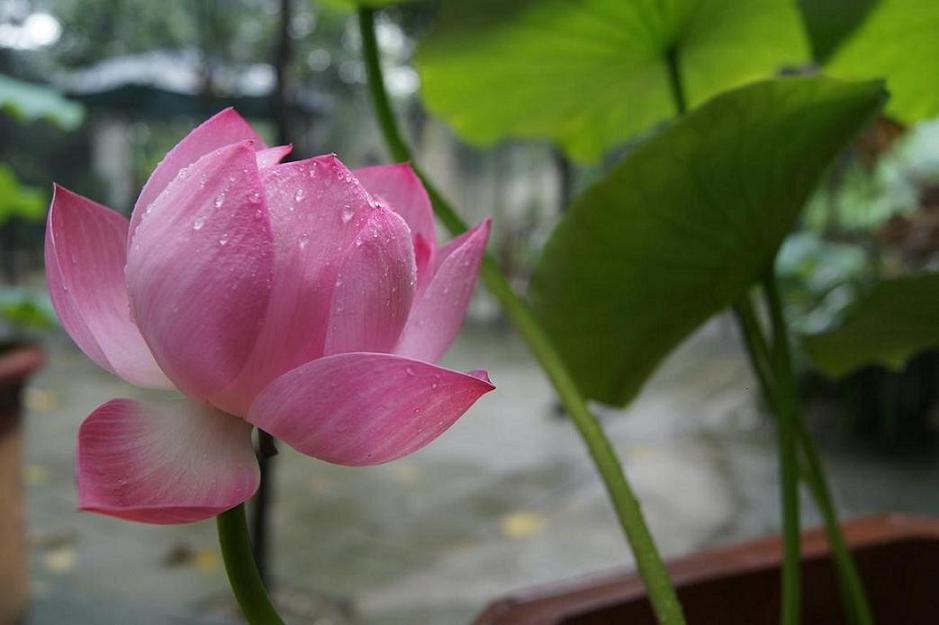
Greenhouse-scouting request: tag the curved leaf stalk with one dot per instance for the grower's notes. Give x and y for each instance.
(661, 591)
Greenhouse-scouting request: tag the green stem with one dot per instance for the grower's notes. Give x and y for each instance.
(774, 388)
(757, 350)
(849, 581)
(850, 586)
(661, 592)
(787, 407)
(242, 572)
(674, 80)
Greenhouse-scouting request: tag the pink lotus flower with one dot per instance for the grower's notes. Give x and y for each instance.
(301, 298)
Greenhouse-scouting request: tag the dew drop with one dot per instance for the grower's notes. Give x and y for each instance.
(304, 240)
(219, 200)
(198, 223)
(223, 240)
(299, 195)
(347, 213)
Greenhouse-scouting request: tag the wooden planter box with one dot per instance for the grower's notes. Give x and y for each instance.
(898, 557)
(16, 365)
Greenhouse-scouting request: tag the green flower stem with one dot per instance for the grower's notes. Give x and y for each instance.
(788, 453)
(787, 407)
(850, 586)
(242, 571)
(649, 563)
(781, 400)
(811, 470)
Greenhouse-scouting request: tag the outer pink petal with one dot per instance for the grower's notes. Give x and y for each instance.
(402, 189)
(438, 311)
(272, 156)
(85, 256)
(199, 271)
(316, 207)
(374, 287)
(364, 408)
(164, 464)
(224, 128)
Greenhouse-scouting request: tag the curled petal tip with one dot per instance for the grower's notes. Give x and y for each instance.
(483, 375)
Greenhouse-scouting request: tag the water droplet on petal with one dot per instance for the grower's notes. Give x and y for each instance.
(223, 239)
(299, 195)
(219, 200)
(198, 223)
(347, 213)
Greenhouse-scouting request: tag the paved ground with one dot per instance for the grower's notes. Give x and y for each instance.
(505, 500)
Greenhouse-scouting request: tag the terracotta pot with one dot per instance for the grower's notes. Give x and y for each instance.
(898, 557)
(17, 363)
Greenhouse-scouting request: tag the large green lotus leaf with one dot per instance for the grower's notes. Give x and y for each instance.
(899, 41)
(686, 223)
(896, 320)
(590, 74)
(829, 22)
(27, 102)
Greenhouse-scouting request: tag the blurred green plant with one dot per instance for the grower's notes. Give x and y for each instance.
(28, 102)
(820, 279)
(887, 326)
(352, 5)
(18, 200)
(24, 311)
(21, 310)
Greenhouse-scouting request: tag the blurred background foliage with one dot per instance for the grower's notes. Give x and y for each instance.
(92, 94)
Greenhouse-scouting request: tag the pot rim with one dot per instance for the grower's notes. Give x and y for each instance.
(741, 558)
(19, 362)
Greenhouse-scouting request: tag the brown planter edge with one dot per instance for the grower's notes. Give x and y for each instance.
(553, 603)
(18, 362)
